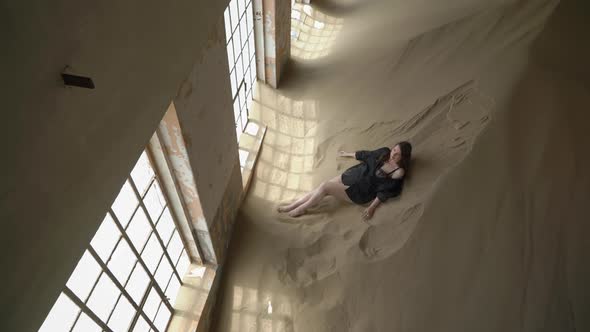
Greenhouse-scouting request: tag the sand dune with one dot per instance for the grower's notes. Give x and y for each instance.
(490, 231)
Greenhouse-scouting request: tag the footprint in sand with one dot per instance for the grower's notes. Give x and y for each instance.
(347, 235)
(382, 240)
(457, 142)
(306, 265)
(460, 125)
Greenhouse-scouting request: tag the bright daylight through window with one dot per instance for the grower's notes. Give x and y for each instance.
(239, 35)
(130, 274)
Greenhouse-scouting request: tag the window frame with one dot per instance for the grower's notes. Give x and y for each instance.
(246, 46)
(156, 156)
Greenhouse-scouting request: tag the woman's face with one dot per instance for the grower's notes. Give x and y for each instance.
(396, 154)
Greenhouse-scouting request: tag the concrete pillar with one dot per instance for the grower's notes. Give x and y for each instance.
(276, 36)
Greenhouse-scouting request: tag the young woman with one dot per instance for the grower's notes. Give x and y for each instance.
(379, 176)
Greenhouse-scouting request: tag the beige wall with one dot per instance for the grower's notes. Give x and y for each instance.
(70, 149)
(205, 110)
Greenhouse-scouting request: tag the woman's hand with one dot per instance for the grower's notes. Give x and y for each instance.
(345, 154)
(368, 213)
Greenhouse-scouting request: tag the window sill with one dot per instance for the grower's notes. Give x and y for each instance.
(249, 147)
(192, 298)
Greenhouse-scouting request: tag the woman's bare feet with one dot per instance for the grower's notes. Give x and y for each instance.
(296, 212)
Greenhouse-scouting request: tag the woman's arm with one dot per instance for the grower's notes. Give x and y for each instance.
(368, 213)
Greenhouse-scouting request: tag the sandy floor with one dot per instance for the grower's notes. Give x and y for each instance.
(491, 232)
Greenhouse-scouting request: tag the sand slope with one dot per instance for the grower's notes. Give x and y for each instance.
(490, 232)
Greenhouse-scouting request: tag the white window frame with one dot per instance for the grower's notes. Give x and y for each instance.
(242, 81)
(190, 249)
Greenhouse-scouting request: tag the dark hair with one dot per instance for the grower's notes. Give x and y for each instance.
(406, 155)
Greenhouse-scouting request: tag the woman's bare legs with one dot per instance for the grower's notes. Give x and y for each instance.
(297, 202)
(307, 196)
(334, 187)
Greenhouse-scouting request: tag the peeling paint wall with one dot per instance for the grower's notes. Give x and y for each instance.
(283, 35)
(223, 226)
(204, 107)
(70, 149)
(277, 38)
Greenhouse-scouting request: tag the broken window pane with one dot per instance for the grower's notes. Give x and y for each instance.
(154, 201)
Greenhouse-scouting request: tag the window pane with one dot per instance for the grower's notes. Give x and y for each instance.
(122, 262)
(141, 325)
(239, 71)
(236, 109)
(151, 304)
(243, 156)
(236, 46)
(103, 298)
(248, 82)
(163, 274)
(125, 204)
(62, 315)
(230, 57)
(122, 316)
(106, 238)
(252, 128)
(241, 7)
(251, 47)
(165, 226)
(139, 229)
(244, 32)
(227, 24)
(86, 324)
(233, 6)
(154, 201)
(183, 264)
(162, 318)
(138, 283)
(152, 253)
(175, 246)
(242, 95)
(243, 119)
(84, 276)
(250, 17)
(172, 290)
(142, 173)
(234, 82)
(238, 131)
(253, 69)
(249, 101)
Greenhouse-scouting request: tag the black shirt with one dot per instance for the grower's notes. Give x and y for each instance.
(364, 184)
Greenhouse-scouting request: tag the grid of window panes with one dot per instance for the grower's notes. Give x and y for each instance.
(239, 35)
(129, 277)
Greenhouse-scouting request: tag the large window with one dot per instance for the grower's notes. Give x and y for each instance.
(239, 34)
(130, 274)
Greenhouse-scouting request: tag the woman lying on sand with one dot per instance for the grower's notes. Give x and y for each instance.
(379, 176)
